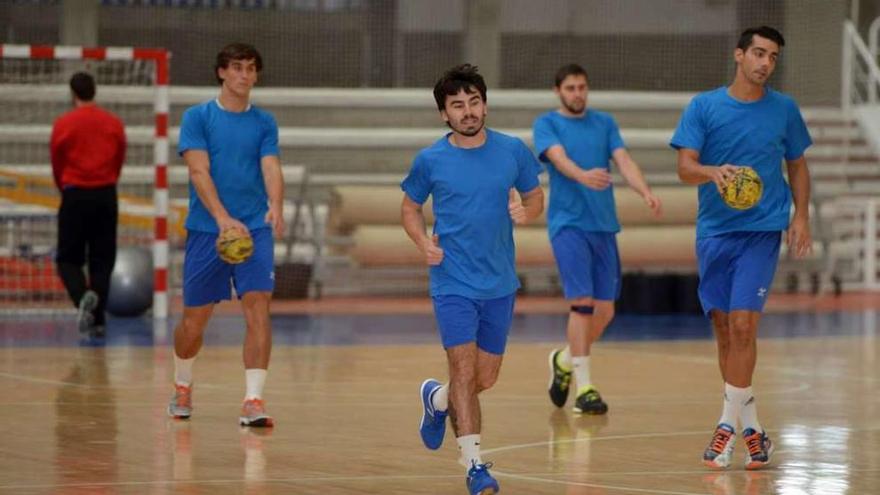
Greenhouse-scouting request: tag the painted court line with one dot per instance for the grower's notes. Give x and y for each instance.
(629, 437)
(317, 479)
(593, 485)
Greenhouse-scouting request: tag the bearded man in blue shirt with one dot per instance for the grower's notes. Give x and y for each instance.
(471, 174)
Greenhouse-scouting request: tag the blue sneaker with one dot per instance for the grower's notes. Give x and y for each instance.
(480, 482)
(433, 425)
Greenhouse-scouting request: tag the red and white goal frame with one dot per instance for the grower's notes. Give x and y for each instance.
(160, 59)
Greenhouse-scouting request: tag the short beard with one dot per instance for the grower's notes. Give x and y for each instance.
(469, 133)
(757, 81)
(573, 109)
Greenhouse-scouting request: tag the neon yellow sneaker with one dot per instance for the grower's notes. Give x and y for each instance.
(589, 402)
(560, 379)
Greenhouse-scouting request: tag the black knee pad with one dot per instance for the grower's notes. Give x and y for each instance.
(584, 310)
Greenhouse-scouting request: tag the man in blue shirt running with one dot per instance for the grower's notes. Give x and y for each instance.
(231, 150)
(470, 173)
(578, 145)
(744, 124)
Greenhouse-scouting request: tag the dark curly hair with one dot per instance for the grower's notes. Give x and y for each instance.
(461, 77)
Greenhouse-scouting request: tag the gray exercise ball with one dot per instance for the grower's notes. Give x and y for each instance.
(131, 285)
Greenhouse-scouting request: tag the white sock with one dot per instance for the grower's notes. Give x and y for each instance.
(440, 399)
(580, 366)
(255, 379)
(469, 446)
(563, 359)
(734, 398)
(749, 414)
(183, 370)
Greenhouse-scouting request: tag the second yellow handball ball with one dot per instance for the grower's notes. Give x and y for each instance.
(234, 247)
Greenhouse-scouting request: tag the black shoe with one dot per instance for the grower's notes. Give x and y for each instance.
(590, 402)
(559, 381)
(98, 332)
(85, 318)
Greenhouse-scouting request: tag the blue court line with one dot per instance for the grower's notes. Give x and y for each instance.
(350, 330)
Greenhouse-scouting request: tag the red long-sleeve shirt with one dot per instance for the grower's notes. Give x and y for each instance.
(87, 148)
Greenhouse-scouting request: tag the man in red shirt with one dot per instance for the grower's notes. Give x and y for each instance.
(87, 148)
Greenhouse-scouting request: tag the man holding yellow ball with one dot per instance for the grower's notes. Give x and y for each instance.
(731, 142)
(231, 150)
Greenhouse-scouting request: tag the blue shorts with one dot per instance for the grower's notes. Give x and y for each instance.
(588, 262)
(737, 269)
(462, 320)
(207, 279)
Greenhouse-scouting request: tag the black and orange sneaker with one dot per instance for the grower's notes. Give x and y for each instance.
(720, 450)
(759, 446)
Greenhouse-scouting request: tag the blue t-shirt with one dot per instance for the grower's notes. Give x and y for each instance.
(470, 189)
(235, 142)
(758, 134)
(589, 141)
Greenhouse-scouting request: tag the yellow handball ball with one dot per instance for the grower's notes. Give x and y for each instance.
(234, 247)
(744, 190)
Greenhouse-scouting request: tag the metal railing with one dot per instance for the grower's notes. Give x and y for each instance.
(860, 75)
(855, 246)
(860, 91)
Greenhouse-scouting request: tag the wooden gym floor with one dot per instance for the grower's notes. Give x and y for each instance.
(85, 417)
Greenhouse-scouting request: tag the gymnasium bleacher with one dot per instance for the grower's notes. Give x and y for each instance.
(353, 146)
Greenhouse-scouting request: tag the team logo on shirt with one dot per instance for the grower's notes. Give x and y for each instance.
(762, 292)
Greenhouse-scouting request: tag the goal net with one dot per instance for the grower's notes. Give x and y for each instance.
(132, 83)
